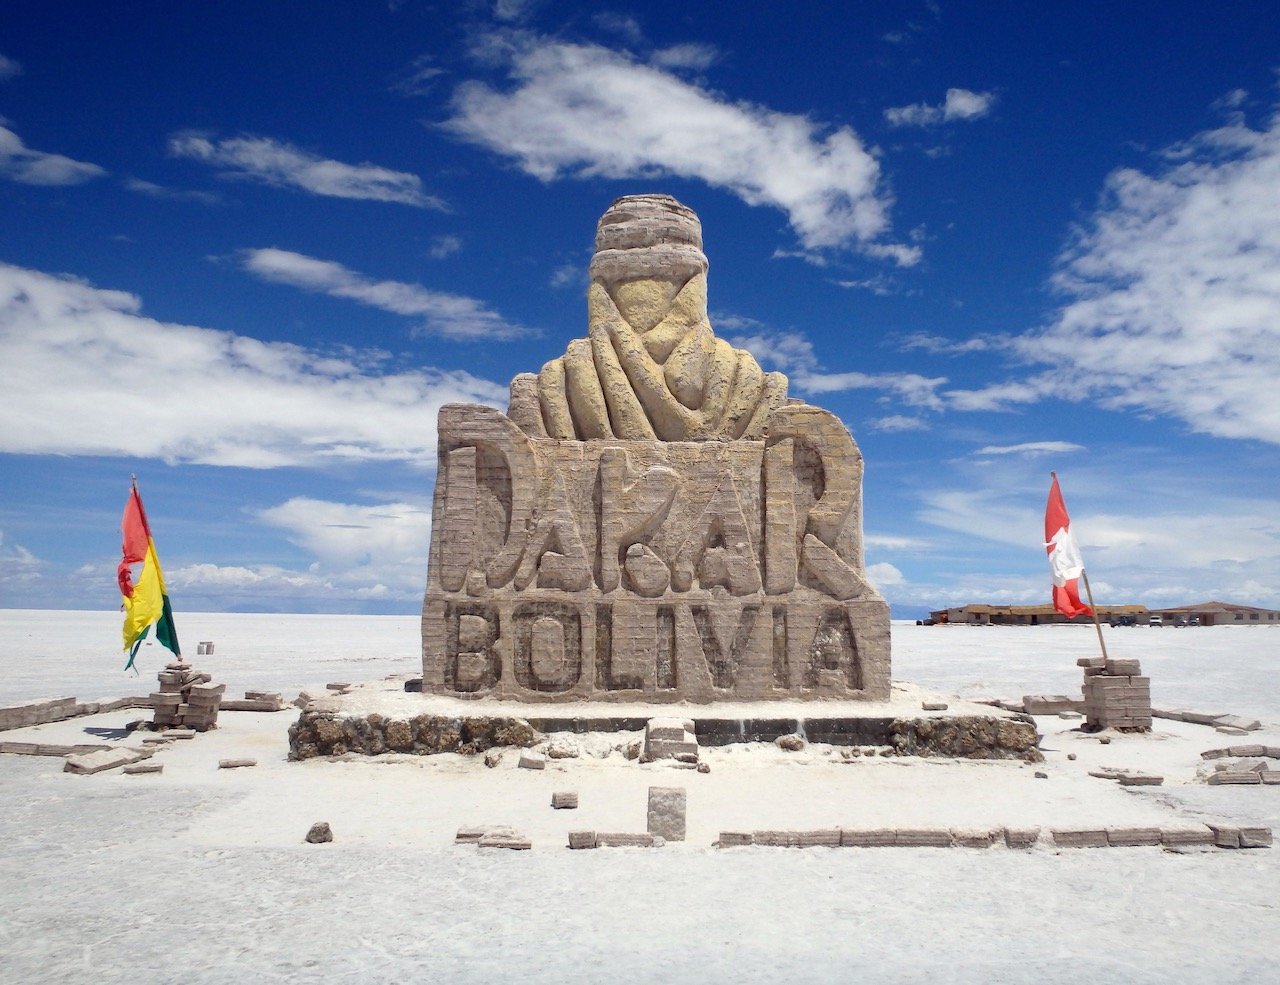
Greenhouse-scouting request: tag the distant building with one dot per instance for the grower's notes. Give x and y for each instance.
(1219, 614)
(1033, 615)
(1204, 614)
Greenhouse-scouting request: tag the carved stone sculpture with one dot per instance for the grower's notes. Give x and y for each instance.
(652, 519)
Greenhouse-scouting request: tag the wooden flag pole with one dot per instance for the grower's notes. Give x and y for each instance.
(1096, 621)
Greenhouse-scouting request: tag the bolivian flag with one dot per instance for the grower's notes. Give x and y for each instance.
(147, 602)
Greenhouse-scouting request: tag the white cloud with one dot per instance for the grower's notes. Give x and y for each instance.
(451, 315)
(793, 353)
(280, 164)
(9, 68)
(941, 346)
(568, 275)
(885, 575)
(1032, 448)
(419, 78)
(1175, 287)
(911, 388)
(959, 104)
(152, 190)
(444, 246)
(85, 373)
(362, 552)
(898, 422)
(26, 166)
(695, 56)
(18, 566)
(587, 111)
(787, 351)
(352, 535)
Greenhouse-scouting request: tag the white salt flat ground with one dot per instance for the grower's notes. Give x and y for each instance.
(200, 875)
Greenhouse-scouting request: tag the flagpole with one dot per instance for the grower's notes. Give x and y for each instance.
(1096, 621)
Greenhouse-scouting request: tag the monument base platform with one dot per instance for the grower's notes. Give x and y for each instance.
(380, 717)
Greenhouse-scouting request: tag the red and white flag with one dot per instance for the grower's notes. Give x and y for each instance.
(1065, 564)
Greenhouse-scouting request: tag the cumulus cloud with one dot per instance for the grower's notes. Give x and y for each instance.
(275, 163)
(959, 104)
(580, 110)
(793, 353)
(1032, 448)
(85, 373)
(26, 166)
(1174, 294)
(18, 566)
(451, 315)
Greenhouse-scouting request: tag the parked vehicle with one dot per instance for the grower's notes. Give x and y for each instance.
(1155, 621)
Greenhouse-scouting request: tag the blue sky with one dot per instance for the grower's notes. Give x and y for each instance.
(249, 249)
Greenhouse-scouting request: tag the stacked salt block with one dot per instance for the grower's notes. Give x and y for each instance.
(1115, 695)
(670, 738)
(186, 698)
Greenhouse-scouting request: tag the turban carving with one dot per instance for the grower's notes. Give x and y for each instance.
(650, 367)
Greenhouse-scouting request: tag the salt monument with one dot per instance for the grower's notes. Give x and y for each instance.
(653, 519)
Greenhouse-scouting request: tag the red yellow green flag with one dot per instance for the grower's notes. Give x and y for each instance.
(145, 603)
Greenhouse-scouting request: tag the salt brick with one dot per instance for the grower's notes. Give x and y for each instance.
(579, 840)
(1199, 835)
(1133, 837)
(924, 837)
(1081, 838)
(1225, 836)
(1255, 837)
(874, 838)
(733, 839)
(1239, 721)
(826, 837)
(972, 839)
(1250, 750)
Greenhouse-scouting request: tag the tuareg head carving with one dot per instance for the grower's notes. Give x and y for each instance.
(650, 368)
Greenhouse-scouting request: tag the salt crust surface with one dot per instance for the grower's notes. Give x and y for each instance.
(201, 875)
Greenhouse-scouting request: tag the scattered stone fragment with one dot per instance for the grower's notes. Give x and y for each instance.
(1070, 716)
(1230, 730)
(1201, 717)
(512, 840)
(666, 816)
(1047, 704)
(1080, 838)
(789, 743)
(704, 767)
(1253, 749)
(563, 749)
(178, 733)
(669, 738)
(235, 764)
(319, 834)
(1021, 837)
(1041, 776)
(532, 761)
(1270, 777)
(154, 740)
(934, 706)
(1071, 756)
(1104, 740)
(1252, 765)
(1234, 777)
(1141, 780)
(1197, 835)
(103, 759)
(1133, 837)
(964, 838)
(1255, 837)
(1225, 836)
(492, 758)
(582, 839)
(615, 839)
(1215, 754)
(338, 686)
(565, 800)
(139, 768)
(470, 834)
(1273, 752)
(1238, 721)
